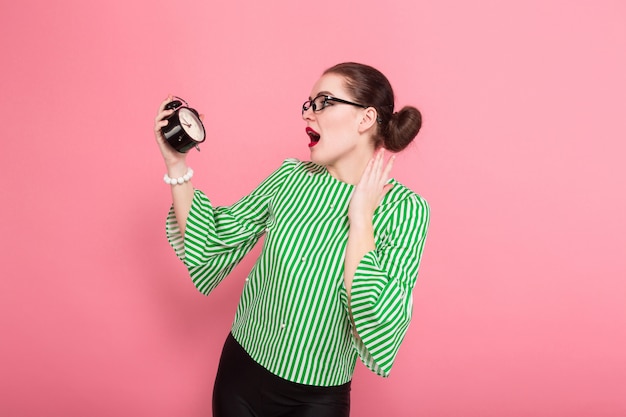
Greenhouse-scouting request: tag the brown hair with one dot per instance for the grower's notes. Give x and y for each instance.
(368, 86)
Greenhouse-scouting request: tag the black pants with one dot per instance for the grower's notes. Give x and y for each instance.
(243, 388)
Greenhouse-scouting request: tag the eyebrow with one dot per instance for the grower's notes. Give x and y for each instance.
(322, 93)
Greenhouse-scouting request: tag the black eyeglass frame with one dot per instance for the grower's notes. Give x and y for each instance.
(327, 98)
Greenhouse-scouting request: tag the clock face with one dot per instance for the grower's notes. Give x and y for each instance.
(191, 124)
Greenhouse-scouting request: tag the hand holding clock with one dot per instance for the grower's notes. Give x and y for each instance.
(175, 160)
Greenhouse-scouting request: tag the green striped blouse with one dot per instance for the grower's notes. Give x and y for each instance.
(293, 314)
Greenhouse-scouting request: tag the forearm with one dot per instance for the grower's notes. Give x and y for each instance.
(360, 242)
(182, 195)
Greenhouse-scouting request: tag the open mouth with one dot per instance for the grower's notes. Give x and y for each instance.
(313, 135)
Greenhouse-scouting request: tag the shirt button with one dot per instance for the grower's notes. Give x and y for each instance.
(310, 174)
(247, 279)
(303, 259)
(332, 206)
(282, 325)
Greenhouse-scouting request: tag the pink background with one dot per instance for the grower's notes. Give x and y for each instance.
(520, 308)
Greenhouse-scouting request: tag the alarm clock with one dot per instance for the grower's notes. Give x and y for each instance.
(184, 129)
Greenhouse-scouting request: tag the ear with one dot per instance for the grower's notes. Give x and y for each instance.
(368, 120)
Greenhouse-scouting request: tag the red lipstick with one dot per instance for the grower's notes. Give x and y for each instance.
(314, 136)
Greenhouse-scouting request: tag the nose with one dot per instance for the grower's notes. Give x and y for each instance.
(308, 114)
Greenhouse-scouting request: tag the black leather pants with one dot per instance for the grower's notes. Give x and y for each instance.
(243, 388)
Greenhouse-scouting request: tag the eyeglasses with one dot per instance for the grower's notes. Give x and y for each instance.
(319, 103)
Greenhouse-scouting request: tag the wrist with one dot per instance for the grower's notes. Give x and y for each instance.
(178, 180)
(361, 223)
(360, 218)
(177, 169)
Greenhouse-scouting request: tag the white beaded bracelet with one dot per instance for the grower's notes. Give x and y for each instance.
(179, 180)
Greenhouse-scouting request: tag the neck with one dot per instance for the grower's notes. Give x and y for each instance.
(351, 170)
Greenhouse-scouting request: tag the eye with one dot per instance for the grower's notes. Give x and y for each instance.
(318, 103)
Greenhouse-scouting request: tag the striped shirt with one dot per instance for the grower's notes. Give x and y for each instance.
(293, 315)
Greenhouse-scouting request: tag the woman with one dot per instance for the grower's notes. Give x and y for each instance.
(342, 248)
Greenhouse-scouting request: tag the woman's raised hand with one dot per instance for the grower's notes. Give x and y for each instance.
(370, 190)
(174, 160)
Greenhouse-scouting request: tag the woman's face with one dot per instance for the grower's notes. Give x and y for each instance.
(334, 130)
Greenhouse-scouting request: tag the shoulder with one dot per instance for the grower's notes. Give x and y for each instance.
(298, 167)
(285, 169)
(402, 197)
(404, 213)
(289, 164)
(289, 170)
(404, 210)
(304, 166)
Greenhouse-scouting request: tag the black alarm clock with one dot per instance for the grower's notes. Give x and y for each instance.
(184, 129)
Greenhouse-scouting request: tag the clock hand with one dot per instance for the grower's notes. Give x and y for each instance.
(184, 121)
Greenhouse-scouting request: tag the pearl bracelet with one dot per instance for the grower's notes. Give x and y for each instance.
(179, 180)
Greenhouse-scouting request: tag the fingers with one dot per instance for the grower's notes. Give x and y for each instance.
(372, 187)
(387, 171)
(365, 177)
(159, 120)
(170, 155)
(164, 102)
(378, 163)
(159, 125)
(377, 172)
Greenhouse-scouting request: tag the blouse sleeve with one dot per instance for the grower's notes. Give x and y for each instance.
(381, 298)
(217, 238)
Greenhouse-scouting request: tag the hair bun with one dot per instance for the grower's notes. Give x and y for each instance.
(402, 128)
